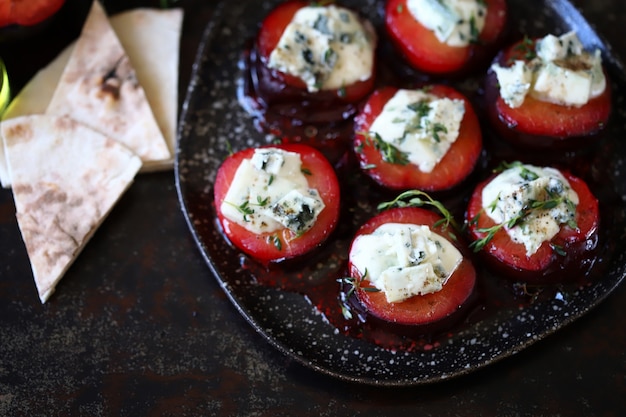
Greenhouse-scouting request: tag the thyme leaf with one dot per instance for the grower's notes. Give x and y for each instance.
(354, 284)
(389, 152)
(526, 49)
(244, 208)
(437, 129)
(275, 239)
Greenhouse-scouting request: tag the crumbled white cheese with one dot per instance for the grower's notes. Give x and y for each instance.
(327, 47)
(553, 48)
(269, 192)
(404, 260)
(455, 22)
(511, 195)
(562, 73)
(515, 82)
(421, 125)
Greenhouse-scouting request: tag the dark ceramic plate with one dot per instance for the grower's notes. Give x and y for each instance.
(285, 305)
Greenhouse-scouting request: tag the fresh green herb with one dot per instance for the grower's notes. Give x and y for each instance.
(275, 239)
(527, 174)
(354, 285)
(527, 49)
(503, 166)
(417, 198)
(341, 92)
(437, 129)
(532, 206)
(558, 249)
(229, 148)
(389, 153)
(244, 209)
(422, 108)
(262, 202)
(306, 171)
(399, 9)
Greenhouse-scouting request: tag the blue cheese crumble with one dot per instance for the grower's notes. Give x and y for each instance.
(513, 193)
(421, 125)
(561, 72)
(456, 23)
(270, 192)
(327, 47)
(404, 260)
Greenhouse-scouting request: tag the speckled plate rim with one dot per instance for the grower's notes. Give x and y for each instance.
(287, 320)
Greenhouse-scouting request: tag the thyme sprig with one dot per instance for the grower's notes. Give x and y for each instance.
(389, 153)
(245, 208)
(532, 206)
(417, 198)
(354, 285)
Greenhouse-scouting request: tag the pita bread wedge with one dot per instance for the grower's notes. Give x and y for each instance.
(66, 178)
(99, 88)
(151, 39)
(34, 99)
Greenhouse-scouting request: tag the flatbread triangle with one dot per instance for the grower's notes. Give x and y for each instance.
(151, 38)
(99, 88)
(66, 179)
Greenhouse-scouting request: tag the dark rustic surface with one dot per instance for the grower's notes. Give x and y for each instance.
(138, 325)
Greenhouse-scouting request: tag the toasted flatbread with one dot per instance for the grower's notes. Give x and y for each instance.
(66, 178)
(151, 38)
(34, 99)
(99, 88)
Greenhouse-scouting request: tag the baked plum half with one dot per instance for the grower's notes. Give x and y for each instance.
(446, 38)
(548, 93)
(408, 271)
(427, 139)
(535, 224)
(277, 202)
(306, 72)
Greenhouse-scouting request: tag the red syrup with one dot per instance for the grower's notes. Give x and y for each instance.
(320, 119)
(318, 275)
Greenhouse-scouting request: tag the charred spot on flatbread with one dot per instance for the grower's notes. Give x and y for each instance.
(99, 88)
(120, 73)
